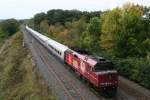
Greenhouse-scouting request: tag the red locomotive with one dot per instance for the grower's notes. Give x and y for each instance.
(98, 71)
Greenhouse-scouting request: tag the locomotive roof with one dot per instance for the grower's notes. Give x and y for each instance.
(90, 59)
(57, 45)
(98, 59)
(85, 58)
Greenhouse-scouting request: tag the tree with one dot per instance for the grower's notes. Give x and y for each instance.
(9, 26)
(94, 27)
(129, 41)
(124, 31)
(75, 31)
(38, 18)
(91, 36)
(44, 27)
(110, 26)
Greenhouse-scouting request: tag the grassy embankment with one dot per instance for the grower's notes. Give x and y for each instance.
(18, 78)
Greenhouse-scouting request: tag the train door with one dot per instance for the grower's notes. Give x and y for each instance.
(84, 69)
(93, 77)
(68, 58)
(76, 62)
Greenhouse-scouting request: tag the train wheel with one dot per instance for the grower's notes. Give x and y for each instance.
(109, 91)
(88, 83)
(80, 77)
(112, 92)
(83, 79)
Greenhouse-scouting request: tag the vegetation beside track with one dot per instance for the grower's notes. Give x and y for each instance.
(18, 78)
(8, 28)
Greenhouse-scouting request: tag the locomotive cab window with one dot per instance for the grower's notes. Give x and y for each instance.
(103, 67)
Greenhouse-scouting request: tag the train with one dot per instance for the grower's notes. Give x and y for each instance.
(98, 71)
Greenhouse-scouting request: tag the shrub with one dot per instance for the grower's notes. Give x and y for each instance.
(136, 69)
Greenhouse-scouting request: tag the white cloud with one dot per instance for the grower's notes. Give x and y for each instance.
(27, 8)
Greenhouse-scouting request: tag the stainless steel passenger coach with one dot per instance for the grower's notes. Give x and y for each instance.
(57, 48)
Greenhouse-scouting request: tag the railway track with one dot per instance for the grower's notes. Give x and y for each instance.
(68, 86)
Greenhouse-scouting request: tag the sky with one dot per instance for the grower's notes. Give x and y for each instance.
(22, 9)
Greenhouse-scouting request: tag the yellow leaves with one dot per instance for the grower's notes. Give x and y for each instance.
(130, 7)
(106, 41)
(127, 6)
(44, 26)
(52, 29)
(64, 33)
(119, 24)
(110, 26)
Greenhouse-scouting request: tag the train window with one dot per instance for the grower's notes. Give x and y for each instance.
(103, 67)
(54, 49)
(59, 53)
(50, 46)
(75, 56)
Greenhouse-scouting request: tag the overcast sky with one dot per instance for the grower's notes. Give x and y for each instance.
(21, 9)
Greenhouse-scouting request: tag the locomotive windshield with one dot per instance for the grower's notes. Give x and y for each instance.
(103, 67)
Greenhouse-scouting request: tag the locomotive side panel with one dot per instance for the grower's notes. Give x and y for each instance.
(94, 79)
(82, 67)
(85, 69)
(68, 58)
(72, 60)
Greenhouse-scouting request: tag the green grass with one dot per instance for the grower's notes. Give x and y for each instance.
(18, 78)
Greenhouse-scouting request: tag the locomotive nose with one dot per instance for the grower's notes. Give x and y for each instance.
(108, 83)
(110, 79)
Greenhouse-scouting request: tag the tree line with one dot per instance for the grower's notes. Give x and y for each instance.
(121, 34)
(8, 27)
